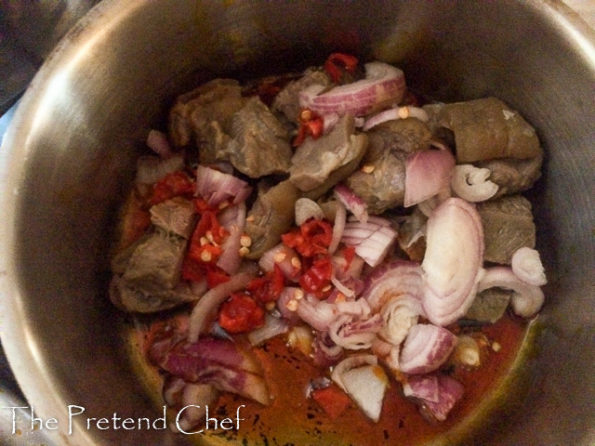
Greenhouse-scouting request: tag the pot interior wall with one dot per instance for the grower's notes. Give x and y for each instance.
(84, 120)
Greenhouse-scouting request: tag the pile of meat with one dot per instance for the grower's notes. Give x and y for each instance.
(332, 208)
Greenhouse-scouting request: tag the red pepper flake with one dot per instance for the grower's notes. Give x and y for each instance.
(338, 63)
(311, 238)
(267, 288)
(311, 124)
(215, 276)
(241, 314)
(332, 400)
(172, 185)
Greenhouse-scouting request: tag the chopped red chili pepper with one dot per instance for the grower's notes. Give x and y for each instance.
(339, 63)
(311, 124)
(172, 185)
(317, 278)
(267, 288)
(348, 254)
(332, 400)
(311, 238)
(215, 276)
(240, 314)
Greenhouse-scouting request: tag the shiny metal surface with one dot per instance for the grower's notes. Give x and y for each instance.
(70, 153)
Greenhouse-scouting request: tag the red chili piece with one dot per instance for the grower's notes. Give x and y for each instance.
(267, 288)
(311, 124)
(332, 400)
(311, 238)
(339, 63)
(240, 314)
(172, 185)
(317, 278)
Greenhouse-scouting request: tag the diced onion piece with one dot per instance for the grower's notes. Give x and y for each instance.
(399, 315)
(306, 209)
(452, 261)
(355, 204)
(372, 240)
(216, 187)
(427, 172)
(471, 183)
(338, 227)
(383, 85)
(210, 301)
(527, 299)
(395, 113)
(318, 315)
(300, 337)
(426, 348)
(367, 386)
(349, 363)
(158, 143)
(354, 334)
(526, 265)
(284, 257)
(435, 393)
(273, 326)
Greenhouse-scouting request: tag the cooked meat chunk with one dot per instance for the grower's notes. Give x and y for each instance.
(129, 297)
(175, 216)
(204, 114)
(382, 184)
(156, 263)
(489, 305)
(507, 225)
(316, 159)
(287, 101)
(411, 235)
(486, 129)
(513, 175)
(271, 215)
(259, 143)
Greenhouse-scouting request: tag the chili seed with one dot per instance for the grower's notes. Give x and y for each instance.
(245, 241)
(292, 305)
(206, 256)
(368, 168)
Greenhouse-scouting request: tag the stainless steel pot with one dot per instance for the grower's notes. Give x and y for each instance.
(70, 153)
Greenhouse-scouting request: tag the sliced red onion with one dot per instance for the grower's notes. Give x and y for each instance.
(359, 308)
(349, 363)
(208, 304)
(348, 272)
(383, 85)
(399, 315)
(326, 352)
(436, 394)
(173, 390)
(395, 113)
(318, 315)
(288, 302)
(158, 143)
(526, 265)
(351, 201)
(273, 326)
(305, 209)
(345, 290)
(284, 257)
(452, 261)
(230, 259)
(426, 348)
(372, 240)
(426, 173)
(354, 334)
(393, 280)
(527, 299)
(329, 121)
(195, 399)
(150, 169)
(338, 227)
(216, 187)
(471, 183)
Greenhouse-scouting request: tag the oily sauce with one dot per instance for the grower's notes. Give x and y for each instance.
(293, 419)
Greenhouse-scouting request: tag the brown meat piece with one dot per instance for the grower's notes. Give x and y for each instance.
(156, 263)
(507, 225)
(287, 101)
(489, 305)
(486, 129)
(271, 215)
(203, 115)
(175, 216)
(390, 143)
(260, 143)
(316, 159)
(513, 175)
